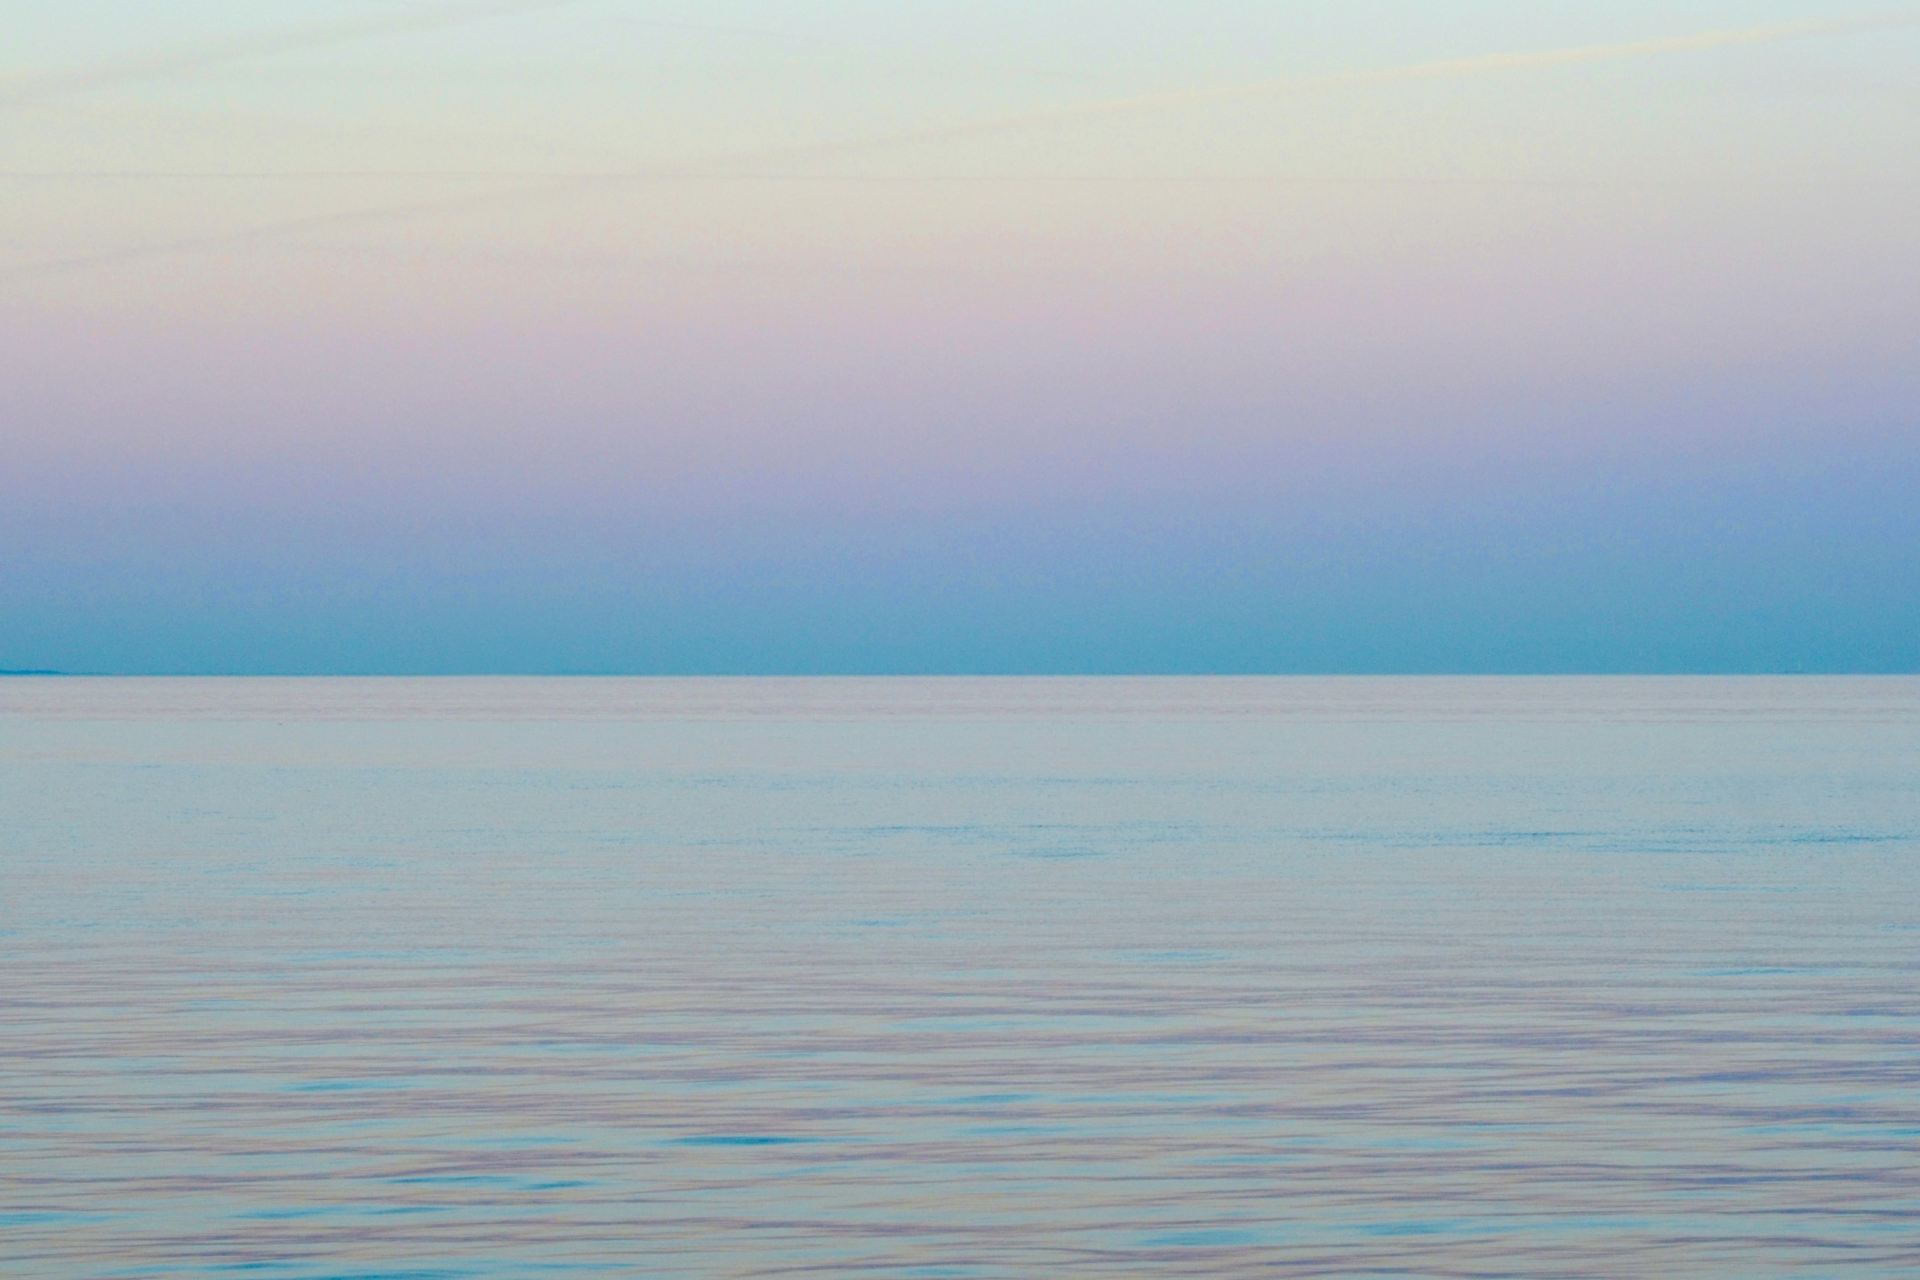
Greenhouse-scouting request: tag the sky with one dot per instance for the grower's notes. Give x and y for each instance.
(752, 336)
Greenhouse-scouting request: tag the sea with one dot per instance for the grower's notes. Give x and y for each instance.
(398, 979)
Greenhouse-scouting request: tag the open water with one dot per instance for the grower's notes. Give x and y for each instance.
(962, 978)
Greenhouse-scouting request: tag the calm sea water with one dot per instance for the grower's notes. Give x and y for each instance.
(503, 978)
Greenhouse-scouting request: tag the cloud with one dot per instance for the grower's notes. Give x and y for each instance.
(740, 163)
(263, 44)
(1445, 69)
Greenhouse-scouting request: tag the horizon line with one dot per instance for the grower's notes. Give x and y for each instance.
(1370, 674)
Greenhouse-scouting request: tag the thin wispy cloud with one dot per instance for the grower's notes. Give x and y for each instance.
(1443, 69)
(739, 164)
(249, 47)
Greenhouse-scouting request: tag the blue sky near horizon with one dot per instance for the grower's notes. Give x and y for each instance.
(473, 335)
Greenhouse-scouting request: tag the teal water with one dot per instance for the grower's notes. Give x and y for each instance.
(515, 978)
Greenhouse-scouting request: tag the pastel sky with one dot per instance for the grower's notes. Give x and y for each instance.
(1060, 335)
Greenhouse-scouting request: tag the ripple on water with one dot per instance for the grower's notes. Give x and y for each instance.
(419, 980)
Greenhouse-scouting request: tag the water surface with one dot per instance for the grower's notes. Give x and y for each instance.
(968, 978)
